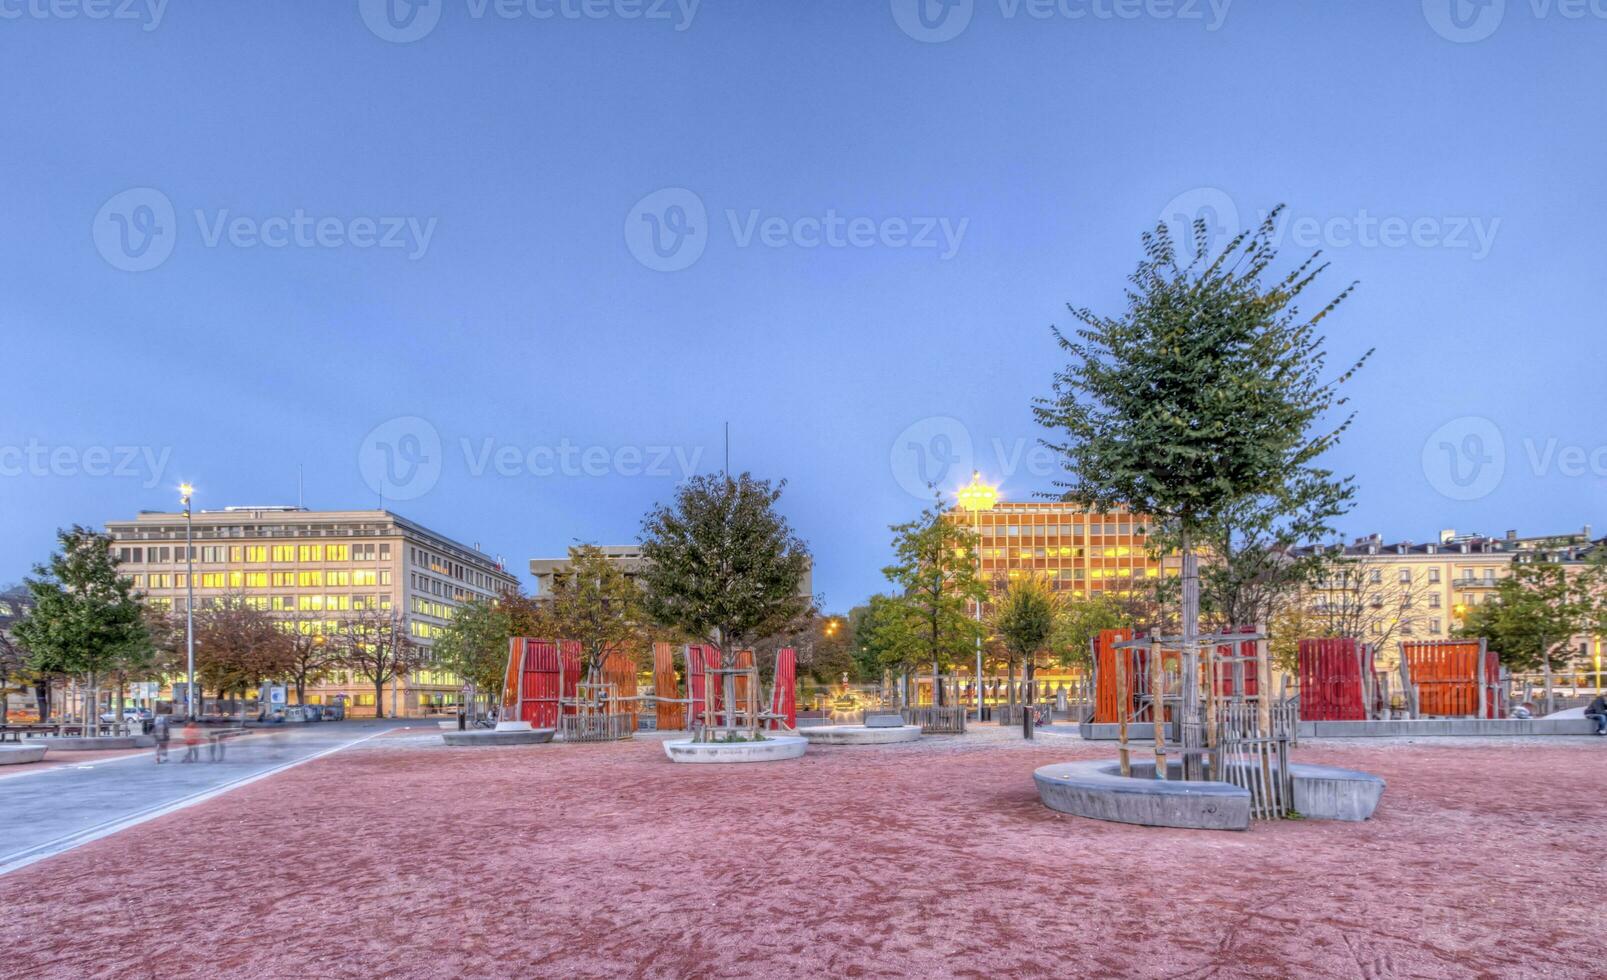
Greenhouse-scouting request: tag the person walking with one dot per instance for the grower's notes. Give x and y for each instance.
(192, 741)
(1597, 712)
(161, 732)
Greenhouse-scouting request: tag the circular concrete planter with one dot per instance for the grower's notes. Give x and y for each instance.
(1097, 789)
(859, 734)
(501, 736)
(16, 755)
(774, 748)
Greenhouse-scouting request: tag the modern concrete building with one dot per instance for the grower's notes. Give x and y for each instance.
(629, 559)
(1082, 552)
(316, 566)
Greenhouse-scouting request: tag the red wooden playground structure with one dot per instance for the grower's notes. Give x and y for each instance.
(1339, 681)
(546, 686)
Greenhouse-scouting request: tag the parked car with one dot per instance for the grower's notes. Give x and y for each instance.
(129, 714)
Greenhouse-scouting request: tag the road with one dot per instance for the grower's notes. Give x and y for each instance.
(43, 813)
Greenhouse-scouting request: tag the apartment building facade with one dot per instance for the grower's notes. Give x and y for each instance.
(314, 567)
(1391, 592)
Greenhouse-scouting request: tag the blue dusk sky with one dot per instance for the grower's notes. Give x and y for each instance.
(511, 267)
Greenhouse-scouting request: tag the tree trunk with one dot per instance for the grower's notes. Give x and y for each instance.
(301, 689)
(1010, 683)
(41, 694)
(379, 699)
(1026, 709)
(1189, 669)
(1545, 666)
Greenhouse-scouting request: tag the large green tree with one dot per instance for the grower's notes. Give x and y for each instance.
(1024, 620)
(722, 564)
(1535, 611)
(474, 645)
(86, 619)
(1209, 395)
(594, 603)
(886, 636)
(935, 571)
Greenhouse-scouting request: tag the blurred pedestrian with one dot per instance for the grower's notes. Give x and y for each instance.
(192, 740)
(161, 731)
(1597, 712)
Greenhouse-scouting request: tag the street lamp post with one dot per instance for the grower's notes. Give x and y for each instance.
(977, 497)
(185, 492)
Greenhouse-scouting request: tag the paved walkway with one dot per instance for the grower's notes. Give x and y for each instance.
(48, 811)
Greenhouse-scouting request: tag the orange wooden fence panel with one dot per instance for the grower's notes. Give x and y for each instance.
(671, 716)
(1105, 660)
(619, 669)
(1446, 675)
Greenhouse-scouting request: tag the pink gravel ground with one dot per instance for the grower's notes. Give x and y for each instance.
(933, 859)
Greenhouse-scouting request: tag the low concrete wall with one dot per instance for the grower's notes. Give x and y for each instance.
(1144, 733)
(96, 743)
(1446, 727)
(16, 755)
(484, 736)
(774, 748)
(859, 734)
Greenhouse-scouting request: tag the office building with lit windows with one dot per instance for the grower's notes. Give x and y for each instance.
(1077, 551)
(314, 567)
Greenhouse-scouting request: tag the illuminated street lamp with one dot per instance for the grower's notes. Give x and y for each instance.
(185, 492)
(977, 497)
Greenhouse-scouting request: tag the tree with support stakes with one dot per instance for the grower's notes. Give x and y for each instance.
(722, 564)
(1212, 389)
(936, 571)
(1535, 611)
(1025, 621)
